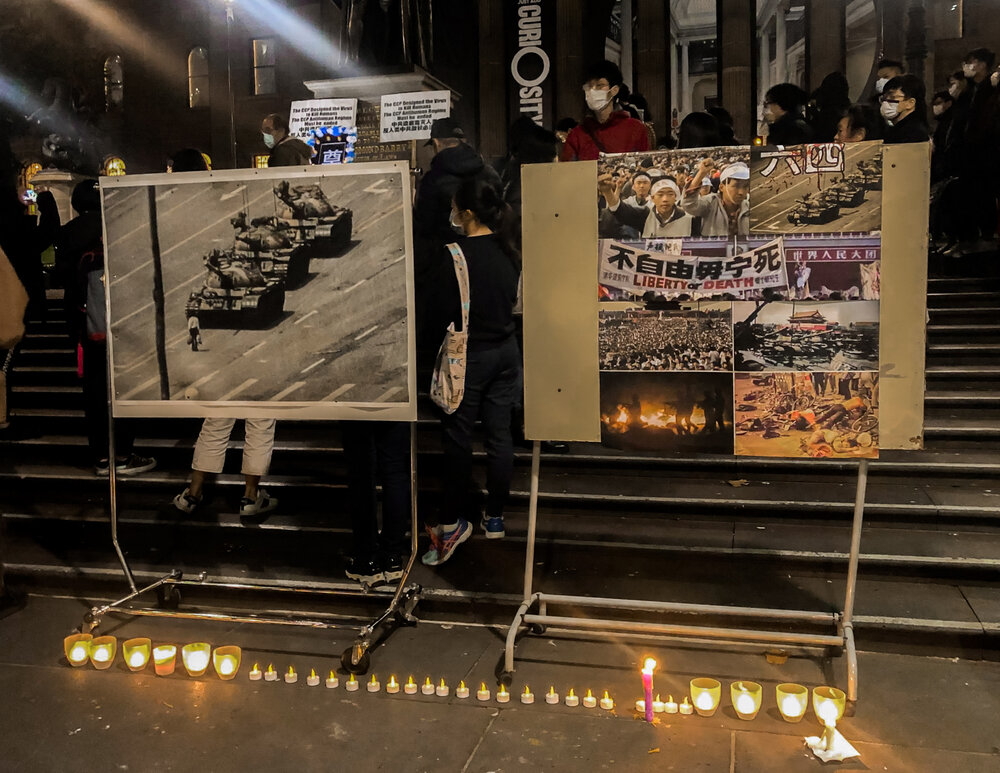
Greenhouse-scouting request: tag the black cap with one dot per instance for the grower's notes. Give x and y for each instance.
(446, 128)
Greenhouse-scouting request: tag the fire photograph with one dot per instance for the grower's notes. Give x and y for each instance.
(667, 412)
(696, 336)
(274, 287)
(823, 188)
(817, 415)
(785, 336)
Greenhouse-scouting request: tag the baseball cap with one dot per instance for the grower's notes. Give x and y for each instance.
(445, 128)
(737, 171)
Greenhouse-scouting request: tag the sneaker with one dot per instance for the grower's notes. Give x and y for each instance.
(134, 464)
(392, 568)
(186, 502)
(443, 544)
(365, 571)
(264, 503)
(493, 527)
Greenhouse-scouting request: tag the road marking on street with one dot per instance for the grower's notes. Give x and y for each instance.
(337, 392)
(148, 306)
(288, 390)
(145, 226)
(310, 367)
(355, 286)
(376, 187)
(384, 397)
(398, 260)
(369, 223)
(305, 317)
(152, 355)
(368, 332)
(239, 390)
(195, 385)
(233, 193)
(142, 387)
(166, 194)
(254, 348)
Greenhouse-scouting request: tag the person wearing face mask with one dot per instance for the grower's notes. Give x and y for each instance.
(726, 213)
(665, 219)
(886, 70)
(605, 130)
(285, 149)
(859, 123)
(903, 108)
(943, 108)
(783, 106)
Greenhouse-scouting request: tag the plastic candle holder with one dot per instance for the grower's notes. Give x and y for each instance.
(102, 652)
(793, 700)
(313, 679)
(705, 695)
(483, 693)
(502, 695)
(352, 684)
(589, 701)
(196, 657)
(829, 704)
(552, 697)
(227, 661)
(164, 659)
(270, 675)
(427, 688)
(658, 706)
(290, 676)
(746, 697)
(442, 689)
(527, 696)
(572, 699)
(671, 707)
(136, 653)
(331, 680)
(77, 648)
(462, 691)
(686, 707)
(608, 703)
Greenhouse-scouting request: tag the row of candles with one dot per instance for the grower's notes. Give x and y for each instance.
(81, 648)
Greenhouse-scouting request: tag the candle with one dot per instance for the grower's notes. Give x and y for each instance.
(746, 697)
(527, 696)
(255, 673)
(136, 652)
(589, 701)
(196, 657)
(374, 685)
(671, 705)
(462, 691)
(136, 660)
(552, 697)
(393, 687)
(164, 659)
(313, 679)
(441, 690)
(227, 661)
(647, 688)
(572, 699)
(427, 688)
(790, 707)
(745, 704)
(483, 694)
(502, 695)
(607, 703)
(78, 654)
(352, 684)
(685, 707)
(227, 666)
(792, 701)
(829, 704)
(706, 694)
(270, 675)
(410, 688)
(76, 647)
(705, 702)
(332, 682)
(640, 706)
(102, 651)
(291, 677)
(658, 706)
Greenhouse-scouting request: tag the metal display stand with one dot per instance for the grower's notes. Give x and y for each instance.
(536, 621)
(356, 659)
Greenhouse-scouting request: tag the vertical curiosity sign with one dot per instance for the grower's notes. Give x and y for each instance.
(531, 53)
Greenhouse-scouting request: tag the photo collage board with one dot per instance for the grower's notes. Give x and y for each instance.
(739, 293)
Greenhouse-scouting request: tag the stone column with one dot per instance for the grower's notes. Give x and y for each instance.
(764, 66)
(651, 58)
(780, 46)
(627, 43)
(492, 79)
(916, 38)
(685, 100)
(826, 33)
(674, 84)
(737, 29)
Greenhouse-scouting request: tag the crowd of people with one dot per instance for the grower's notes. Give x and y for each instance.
(665, 341)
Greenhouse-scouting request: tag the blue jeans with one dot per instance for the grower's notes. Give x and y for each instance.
(492, 388)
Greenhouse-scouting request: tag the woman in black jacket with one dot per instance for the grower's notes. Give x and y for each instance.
(783, 105)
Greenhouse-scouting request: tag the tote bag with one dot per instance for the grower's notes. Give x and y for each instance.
(448, 381)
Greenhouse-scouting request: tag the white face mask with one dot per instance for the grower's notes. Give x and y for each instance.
(938, 109)
(598, 99)
(889, 110)
(768, 115)
(969, 70)
(995, 79)
(954, 90)
(456, 227)
(880, 85)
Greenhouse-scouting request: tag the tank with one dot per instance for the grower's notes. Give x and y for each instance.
(323, 229)
(235, 294)
(814, 210)
(271, 244)
(847, 195)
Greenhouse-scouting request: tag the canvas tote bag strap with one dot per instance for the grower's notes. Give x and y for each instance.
(462, 274)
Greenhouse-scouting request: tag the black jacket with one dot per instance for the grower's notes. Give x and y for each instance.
(910, 129)
(790, 129)
(23, 240)
(432, 211)
(291, 151)
(82, 236)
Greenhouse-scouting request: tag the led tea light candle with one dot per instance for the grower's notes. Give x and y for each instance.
(290, 676)
(270, 675)
(552, 697)
(393, 686)
(640, 706)
(607, 703)
(746, 697)
(647, 688)
(793, 699)
(313, 679)
(136, 653)
(102, 652)
(462, 691)
(410, 688)
(502, 695)
(442, 689)
(589, 701)
(427, 688)
(706, 694)
(686, 707)
(227, 661)
(658, 706)
(77, 648)
(670, 707)
(255, 673)
(374, 685)
(164, 659)
(332, 682)
(352, 684)
(483, 694)
(527, 696)
(829, 704)
(196, 657)
(572, 699)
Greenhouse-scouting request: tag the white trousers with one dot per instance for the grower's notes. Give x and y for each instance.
(210, 450)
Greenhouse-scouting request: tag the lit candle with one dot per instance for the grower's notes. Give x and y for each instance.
(291, 677)
(76, 647)
(393, 686)
(527, 696)
(462, 691)
(658, 706)
(671, 705)
(442, 690)
(196, 657)
(255, 673)
(374, 685)
(226, 666)
(427, 688)
(607, 703)
(746, 697)
(332, 682)
(589, 701)
(410, 688)
(502, 695)
(270, 675)
(685, 707)
(227, 661)
(136, 660)
(352, 684)
(552, 697)
(705, 702)
(790, 707)
(647, 688)
(164, 659)
(483, 693)
(102, 651)
(572, 699)
(136, 652)
(706, 693)
(640, 706)
(313, 679)
(744, 704)
(78, 654)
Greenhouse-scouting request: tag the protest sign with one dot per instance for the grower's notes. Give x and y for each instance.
(409, 116)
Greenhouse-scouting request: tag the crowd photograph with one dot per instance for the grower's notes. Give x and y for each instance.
(697, 337)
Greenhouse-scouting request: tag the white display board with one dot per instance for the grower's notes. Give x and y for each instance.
(409, 116)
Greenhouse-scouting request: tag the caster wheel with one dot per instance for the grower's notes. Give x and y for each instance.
(363, 664)
(168, 597)
(506, 678)
(537, 628)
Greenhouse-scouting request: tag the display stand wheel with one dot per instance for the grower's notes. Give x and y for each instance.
(168, 597)
(537, 629)
(850, 708)
(356, 659)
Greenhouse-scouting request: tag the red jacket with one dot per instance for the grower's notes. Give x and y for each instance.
(621, 134)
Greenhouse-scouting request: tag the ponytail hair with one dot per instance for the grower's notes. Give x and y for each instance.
(482, 196)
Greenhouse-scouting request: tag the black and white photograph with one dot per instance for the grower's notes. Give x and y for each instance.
(674, 194)
(695, 336)
(826, 188)
(812, 336)
(667, 412)
(282, 291)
